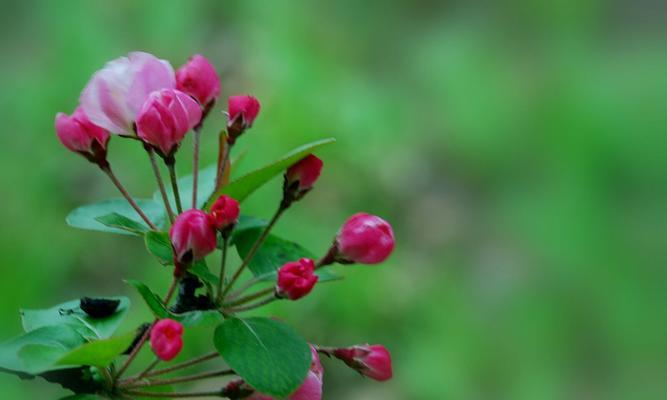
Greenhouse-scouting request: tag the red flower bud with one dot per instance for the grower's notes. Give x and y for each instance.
(304, 173)
(192, 236)
(165, 118)
(365, 239)
(373, 361)
(79, 135)
(166, 339)
(199, 79)
(242, 111)
(224, 212)
(296, 279)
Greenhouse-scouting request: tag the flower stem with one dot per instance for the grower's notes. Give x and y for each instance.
(195, 162)
(254, 248)
(184, 364)
(138, 393)
(160, 182)
(182, 379)
(107, 170)
(171, 165)
(223, 263)
(246, 285)
(224, 150)
(328, 258)
(143, 373)
(253, 306)
(144, 338)
(251, 297)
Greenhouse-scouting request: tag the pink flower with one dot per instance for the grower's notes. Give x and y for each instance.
(242, 112)
(80, 135)
(166, 339)
(296, 279)
(114, 95)
(304, 173)
(165, 118)
(366, 239)
(198, 79)
(310, 389)
(192, 236)
(224, 212)
(373, 361)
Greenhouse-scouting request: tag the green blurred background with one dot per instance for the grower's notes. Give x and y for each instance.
(518, 148)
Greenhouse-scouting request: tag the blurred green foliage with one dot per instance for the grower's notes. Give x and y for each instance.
(518, 149)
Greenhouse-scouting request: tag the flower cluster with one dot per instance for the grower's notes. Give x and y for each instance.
(142, 98)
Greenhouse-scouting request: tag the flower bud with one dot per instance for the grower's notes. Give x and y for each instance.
(193, 237)
(166, 339)
(365, 239)
(241, 114)
(373, 361)
(79, 135)
(300, 177)
(165, 118)
(198, 79)
(114, 95)
(224, 212)
(296, 279)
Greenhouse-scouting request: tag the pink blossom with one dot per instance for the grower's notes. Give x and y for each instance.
(114, 95)
(80, 135)
(192, 236)
(296, 279)
(198, 78)
(165, 118)
(166, 339)
(366, 239)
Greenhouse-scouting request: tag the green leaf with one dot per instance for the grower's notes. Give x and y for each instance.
(198, 318)
(242, 187)
(70, 314)
(153, 301)
(98, 353)
(159, 245)
(85, 217)
(36, 351)
(273, 254)
(205, 318)
(115, 220)
(201, 271)
(266, 353)
(82, 397)
(205, 186)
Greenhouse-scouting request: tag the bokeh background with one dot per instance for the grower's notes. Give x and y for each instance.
(518, 148)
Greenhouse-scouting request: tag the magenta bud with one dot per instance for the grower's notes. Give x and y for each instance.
(296, 279)
(166, 339)
(365, 239)
(193, 237)
(373, 361)
(79, 135)
(224, 212)
(303, 175)
(242, 111)
(165, 118)
(199, 79)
